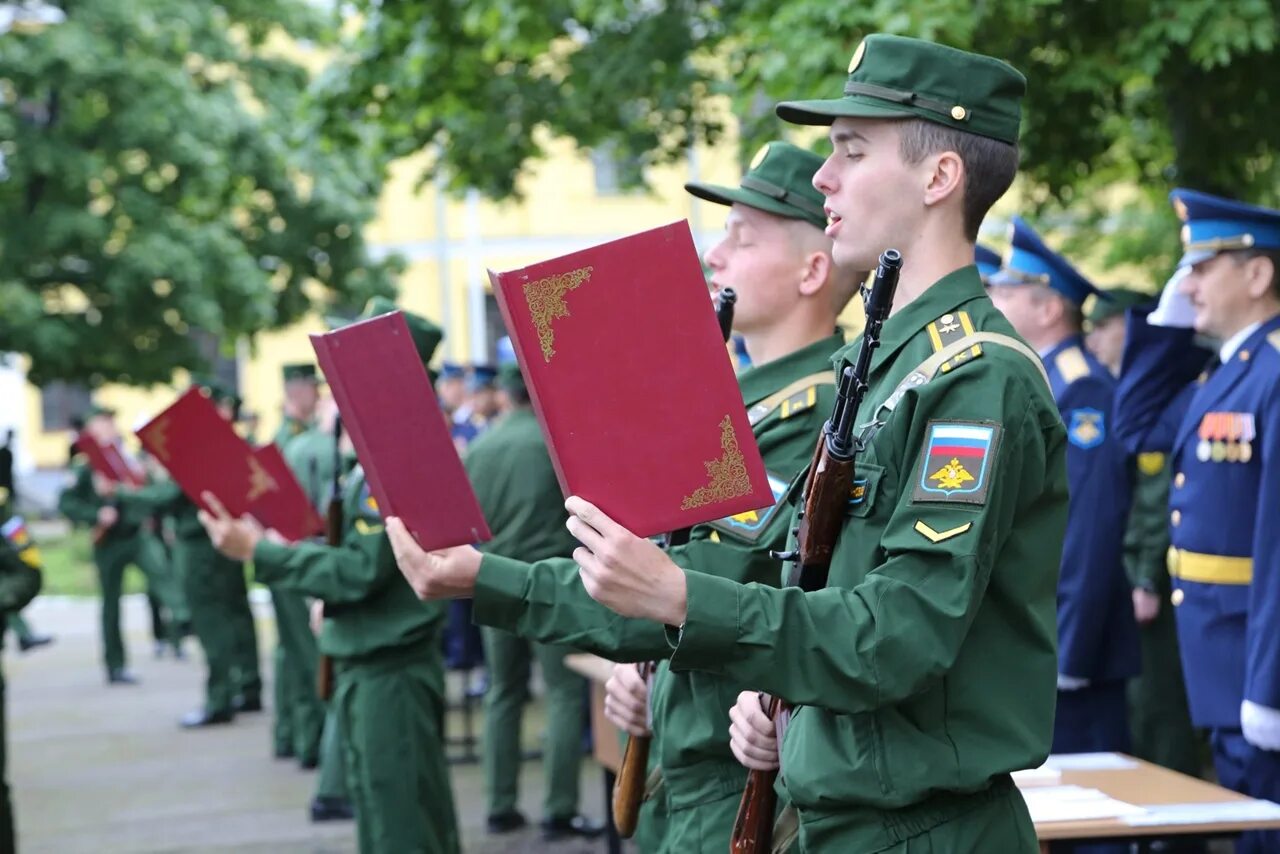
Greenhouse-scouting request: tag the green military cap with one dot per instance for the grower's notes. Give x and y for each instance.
(510, 377)
(426, 335)
(217, 391)
(1121, 298)
(96, 409)
(300, 371)
(893, 77)
(779, 181)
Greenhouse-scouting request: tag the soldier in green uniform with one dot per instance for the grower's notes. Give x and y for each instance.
(215, 592)
(20, 580)
(925, 671)
(299, 715)
(27, 638)
(1158, 712)
(387, 660)
(776, 258)
(120, 539)
(516, 486)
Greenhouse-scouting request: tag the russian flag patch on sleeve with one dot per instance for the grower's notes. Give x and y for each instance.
(956, 461)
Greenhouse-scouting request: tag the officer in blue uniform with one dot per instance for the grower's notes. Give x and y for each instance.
(1098, 648)
(1217, 414)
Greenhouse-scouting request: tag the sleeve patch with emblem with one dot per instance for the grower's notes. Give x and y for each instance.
(956, 462)
(368, 505)
(1086, 428)
(750, 525)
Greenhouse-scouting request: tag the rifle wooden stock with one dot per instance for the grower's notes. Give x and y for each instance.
(753, 827)
(628, 789)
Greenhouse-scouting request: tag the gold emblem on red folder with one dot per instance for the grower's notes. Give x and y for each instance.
(260, 482)
(546, 304)
(158, 437)
(727, 474)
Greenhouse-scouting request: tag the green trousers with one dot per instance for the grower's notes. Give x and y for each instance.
(331, 782)
(220, 618)
(1158, 715)
(7, 835)
(701, 829)
(509, 659)
(17, 625)
(299, 714)
(984, 823)
(111, 558)
(392, 711)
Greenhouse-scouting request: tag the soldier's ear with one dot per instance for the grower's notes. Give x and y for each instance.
(1260, 276)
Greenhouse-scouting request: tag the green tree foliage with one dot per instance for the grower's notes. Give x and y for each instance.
(161, 174)
(1146, 94)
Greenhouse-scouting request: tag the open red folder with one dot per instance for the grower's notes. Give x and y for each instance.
(390, 410)
(202, 452)
(109, 461)
(627, 369)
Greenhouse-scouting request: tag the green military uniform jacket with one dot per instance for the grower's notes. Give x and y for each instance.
(310, 456)
(546, 601)
(80, 503)
(1146, 540)
(369, 607)
(928, 664)
(516, 486)
(20, 576)
(167, 498)
(290, 428)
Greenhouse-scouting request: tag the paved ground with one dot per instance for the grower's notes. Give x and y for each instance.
(106, 770)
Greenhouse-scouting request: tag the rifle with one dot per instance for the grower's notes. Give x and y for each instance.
(628, 791)
(825, 497)
(333, 537)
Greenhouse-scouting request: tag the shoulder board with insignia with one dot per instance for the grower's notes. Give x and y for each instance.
(1274, 339)
(966, 355)
(799, 402)
(949, 328)
(1070, 363)
(750, 525)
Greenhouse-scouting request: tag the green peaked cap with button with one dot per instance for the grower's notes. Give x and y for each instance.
(425, 334)
(779, 181)
(1098, 310)
(894, 77)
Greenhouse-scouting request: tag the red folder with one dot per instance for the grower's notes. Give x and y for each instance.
(391, 413)
(203, 453)
(627, 369)
(106, 460)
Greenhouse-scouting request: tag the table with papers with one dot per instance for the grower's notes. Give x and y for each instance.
(1110, 796)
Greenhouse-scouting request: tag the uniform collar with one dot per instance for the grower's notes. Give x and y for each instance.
(945, 295)
(1232, 344)
(758, 382)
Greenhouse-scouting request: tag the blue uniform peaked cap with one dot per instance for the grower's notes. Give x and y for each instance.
(1031, 262)
(988, 260)
(1212, 224)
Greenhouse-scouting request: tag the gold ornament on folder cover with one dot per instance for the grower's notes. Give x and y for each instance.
(728, 473)
(260, 482)
(158, 436)
(546, 303)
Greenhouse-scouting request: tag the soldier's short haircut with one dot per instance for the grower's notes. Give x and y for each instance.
(989, 164)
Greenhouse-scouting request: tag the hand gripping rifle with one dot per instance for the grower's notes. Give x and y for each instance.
(628, 791)
(825, 498)
(333, 537)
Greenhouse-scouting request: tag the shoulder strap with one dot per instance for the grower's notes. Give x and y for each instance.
(959, 350)
(761, 410)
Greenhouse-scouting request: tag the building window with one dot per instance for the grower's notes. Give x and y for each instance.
(220, 367)
(615, 175)
(61, 403)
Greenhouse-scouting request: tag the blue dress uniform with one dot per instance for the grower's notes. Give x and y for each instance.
(1098, 643)
(1219, 419)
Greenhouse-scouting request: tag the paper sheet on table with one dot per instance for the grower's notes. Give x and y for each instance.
(1037, 776)
(1089, 762)
(1210, 813)
(1074, 803)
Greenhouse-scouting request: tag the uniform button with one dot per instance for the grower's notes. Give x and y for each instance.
(1176, 518)
(1176, 598)
(1180, 480)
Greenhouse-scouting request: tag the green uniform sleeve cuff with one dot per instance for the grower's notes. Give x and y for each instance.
(269, 561)
(499, 598)
(709, 636)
